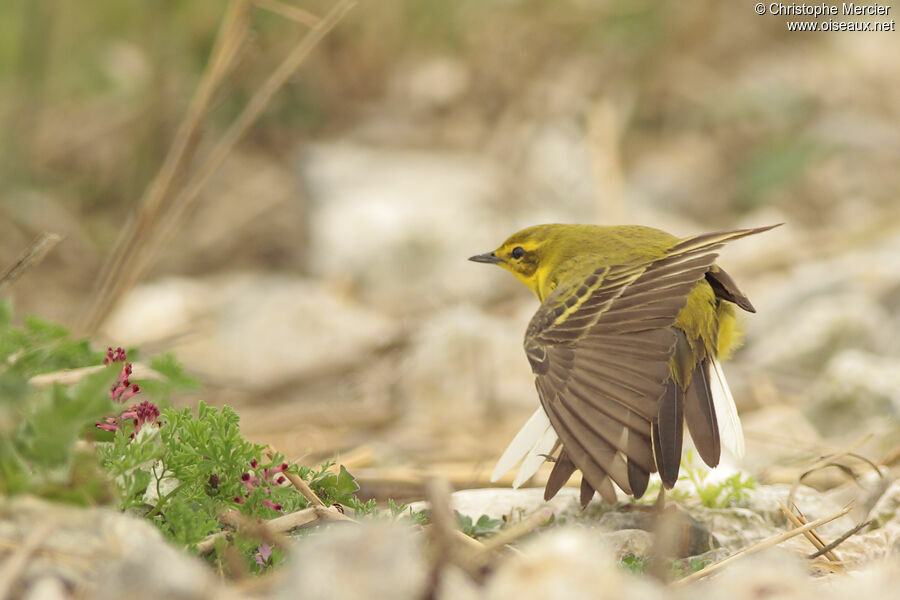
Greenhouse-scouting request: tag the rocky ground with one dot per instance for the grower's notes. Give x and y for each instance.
(101, 553)
(325, 294)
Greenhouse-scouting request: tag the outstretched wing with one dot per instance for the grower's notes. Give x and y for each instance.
(601, 355)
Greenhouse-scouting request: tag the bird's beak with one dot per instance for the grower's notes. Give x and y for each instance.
(488, 257)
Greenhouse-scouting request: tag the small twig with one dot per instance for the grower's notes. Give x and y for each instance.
(767, 543)
(31, 257)
(14, 565)
(261, 530)
(72, 376)
(812, 536)
(441, 535)
(837, 542)
(297, 481)
(826, 461)
(282, 524)
(518, 531)
(207, 544)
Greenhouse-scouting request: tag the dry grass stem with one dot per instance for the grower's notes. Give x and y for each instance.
(830, 461)
(298, 482)
(117, 276)
(163, 209)
(282, 524)
(260, 530)
(292, 13)
(840, 540)
(799, 520)
(186, 198)
(31, 257)
(71, 376)
(767, 543)
(206, 545)
(519, 530)
(441, 537)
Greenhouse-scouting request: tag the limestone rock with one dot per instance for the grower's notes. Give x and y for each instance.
(101, 553)
(568, 563)
(368, 225)
(350, 562)
(255, 330)
(856, 389)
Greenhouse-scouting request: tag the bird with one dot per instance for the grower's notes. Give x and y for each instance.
(625, 348)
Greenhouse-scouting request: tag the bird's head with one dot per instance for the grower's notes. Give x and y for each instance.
(525, 254)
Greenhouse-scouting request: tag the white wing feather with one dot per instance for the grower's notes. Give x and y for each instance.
(730, 431)
(528, 438)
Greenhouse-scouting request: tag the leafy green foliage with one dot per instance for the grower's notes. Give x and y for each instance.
(179, 469)
(634, 564)
(684, 567)
(339, 488)
(404, 511)
(482, 528)
(190, 469)
(40, 425)
(712, 494)
(729, 492)
(640, 565)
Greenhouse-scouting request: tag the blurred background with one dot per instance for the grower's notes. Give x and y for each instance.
(319, 284)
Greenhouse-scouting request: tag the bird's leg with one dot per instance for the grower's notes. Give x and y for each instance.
(660, 504)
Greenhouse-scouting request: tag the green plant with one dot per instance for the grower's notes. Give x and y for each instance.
(728, 492)
(404, 511)
(482, 528)
(639, 565)
(40, 425)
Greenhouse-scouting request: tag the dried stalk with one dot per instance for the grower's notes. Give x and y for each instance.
(72, 376)
(767, 543)
(112, 281)
(162, 212)
(297, 482)
(292, 13)
(282, 524)
(829, 460)
(840, 540)
(812, 536)
(32, 256)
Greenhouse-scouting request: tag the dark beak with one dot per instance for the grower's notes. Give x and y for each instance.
(489, 258)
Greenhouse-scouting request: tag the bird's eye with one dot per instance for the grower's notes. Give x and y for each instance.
(518, 252)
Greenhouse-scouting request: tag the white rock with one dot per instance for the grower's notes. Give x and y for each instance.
(103, 553)
(350, 562)
(867, 384)
(773, 574)
(809, 330)
(569, 563)
(401, 223)
(255, 330)
(498, 503)
(463, 363)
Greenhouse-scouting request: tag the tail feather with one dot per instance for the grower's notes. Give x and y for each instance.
(531, 433)
(668, 433)
(700, 414)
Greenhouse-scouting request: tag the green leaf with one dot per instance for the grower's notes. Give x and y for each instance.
(167, 366)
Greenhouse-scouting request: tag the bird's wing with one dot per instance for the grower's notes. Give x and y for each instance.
(730, 429)
(601, 353)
